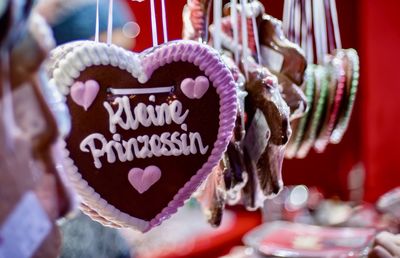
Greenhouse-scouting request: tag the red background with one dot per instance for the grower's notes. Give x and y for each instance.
(373, 28)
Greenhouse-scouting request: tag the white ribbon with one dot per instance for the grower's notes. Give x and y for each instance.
(153, 23)
(335, 22)
(245, 36)
(217, 24)
(110, 22)
(255, 32)
(235, 29)
(96, 34)
(310, 43)
(164, 20)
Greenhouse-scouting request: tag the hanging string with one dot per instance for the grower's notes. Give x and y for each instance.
(217, 24)
(235, 28)
(321, 30)
(297, 21)
(310, 42)
(322, 25)
(335, 22)
(317, 31)
(255, 32)
(110, 22)
(303, 26)
(286, 15)
(153, 23)
(245, 43)
(329, 23)
(164, 20)
(291, 20)
(96, 34)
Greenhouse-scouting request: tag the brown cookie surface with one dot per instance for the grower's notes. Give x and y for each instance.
(111, 180)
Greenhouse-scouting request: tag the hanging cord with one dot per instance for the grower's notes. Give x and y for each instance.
(291, 20)
(245, 45)
(310, 42)
(217, 13)
(297, 22)
(164, 21)
(323, 34)
(153, 23)
(303, 26)
(329, 25)
(235, 28)
(110, 22)
(317, 31)
(255, 32)
(335, 22)
(96, 34)
(286, 17)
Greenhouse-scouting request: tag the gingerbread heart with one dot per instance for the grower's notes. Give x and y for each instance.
(141, 117)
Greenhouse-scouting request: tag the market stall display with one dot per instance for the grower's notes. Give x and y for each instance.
(199, 125)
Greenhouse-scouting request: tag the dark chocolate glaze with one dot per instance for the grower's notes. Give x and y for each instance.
(261, 97)
(269, 169)
(111, 180)
(271, 35)
(235, 165)
(250, 188)
(293, 96)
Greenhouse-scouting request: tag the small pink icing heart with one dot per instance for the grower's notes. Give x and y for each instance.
(195, 89)
(84, 94)
(142, 180)
(187, 87)
(201, 86)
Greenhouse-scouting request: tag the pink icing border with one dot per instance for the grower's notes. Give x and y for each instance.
(208, 60)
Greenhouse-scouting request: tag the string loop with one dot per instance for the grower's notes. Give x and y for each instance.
(164, 20)
(96, 34)
(110, 22)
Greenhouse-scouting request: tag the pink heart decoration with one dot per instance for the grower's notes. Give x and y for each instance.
(195, 89)
(142, 180)
(201, 86)
(187, 87)
(84, 94)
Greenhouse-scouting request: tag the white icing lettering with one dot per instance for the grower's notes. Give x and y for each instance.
(193, 137)
(90, 142)
(158, 115)
(142, 147)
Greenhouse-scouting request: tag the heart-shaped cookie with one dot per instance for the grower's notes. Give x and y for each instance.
(141, 117)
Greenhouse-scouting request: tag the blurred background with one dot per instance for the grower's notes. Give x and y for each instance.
(360, 169)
